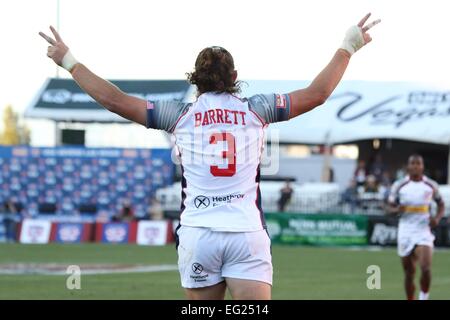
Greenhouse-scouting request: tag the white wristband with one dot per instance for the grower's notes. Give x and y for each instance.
(353, 40)
(68, 61)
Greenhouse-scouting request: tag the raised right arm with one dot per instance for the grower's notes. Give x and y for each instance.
(304, 100)
(281, 107)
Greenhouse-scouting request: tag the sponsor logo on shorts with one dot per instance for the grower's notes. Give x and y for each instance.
(197, 269)
(202, 202)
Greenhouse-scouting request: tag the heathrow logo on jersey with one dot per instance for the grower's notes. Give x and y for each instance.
(202, 202)
(217, 200)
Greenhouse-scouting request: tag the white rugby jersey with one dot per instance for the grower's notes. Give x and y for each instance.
(415, 198)
(219, 139)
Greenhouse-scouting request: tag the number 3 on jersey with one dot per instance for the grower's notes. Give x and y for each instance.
(229, 154)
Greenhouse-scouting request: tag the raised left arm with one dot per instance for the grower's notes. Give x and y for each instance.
(104, 92)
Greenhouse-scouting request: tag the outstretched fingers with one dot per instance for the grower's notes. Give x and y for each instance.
(56, 34)
(47, 38)
(50, 40)
(363, 20)
(370, 25)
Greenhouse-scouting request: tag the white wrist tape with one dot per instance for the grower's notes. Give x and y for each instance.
(353, 40)
(68, 61)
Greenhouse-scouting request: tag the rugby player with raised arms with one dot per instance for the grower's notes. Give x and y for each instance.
(222, 240)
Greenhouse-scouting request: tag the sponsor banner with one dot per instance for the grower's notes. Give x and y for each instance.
(114, 232)
(63, 99)
(69, 232)
(152, 233)
(35, 231)
(360, 110)
(317, 229)
(382, 230)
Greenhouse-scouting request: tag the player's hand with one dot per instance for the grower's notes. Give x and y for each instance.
(58, 50)
(357, 36)
(434, 222)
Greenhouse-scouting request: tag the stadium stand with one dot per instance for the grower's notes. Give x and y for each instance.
(67, 181)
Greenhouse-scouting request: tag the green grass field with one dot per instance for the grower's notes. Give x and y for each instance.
(299, 273)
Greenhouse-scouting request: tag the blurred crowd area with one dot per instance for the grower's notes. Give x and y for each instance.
(81, 183)
(370, 186)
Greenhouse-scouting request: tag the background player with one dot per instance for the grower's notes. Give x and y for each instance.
(411, 197)
(222, 239)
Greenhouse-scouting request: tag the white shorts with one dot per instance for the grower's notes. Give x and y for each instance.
(408, 240)
(207, 257)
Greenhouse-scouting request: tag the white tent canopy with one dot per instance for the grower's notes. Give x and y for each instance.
(360, 110)
(357, 110)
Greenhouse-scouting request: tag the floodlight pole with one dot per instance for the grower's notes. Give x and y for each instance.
(57, 131)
